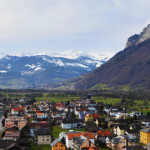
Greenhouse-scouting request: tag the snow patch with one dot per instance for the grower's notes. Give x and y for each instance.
(76, 65)
(31, 66)
(34, 67)
(37, 68)
(9, 66)
(58, 62)
(3, 71)
(99, 64)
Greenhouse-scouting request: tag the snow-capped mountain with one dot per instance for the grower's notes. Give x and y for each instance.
(72, 54)
(39, 70)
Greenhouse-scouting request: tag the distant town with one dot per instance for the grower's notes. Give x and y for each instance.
(77, 124)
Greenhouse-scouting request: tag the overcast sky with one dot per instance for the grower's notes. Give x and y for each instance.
(48, 26)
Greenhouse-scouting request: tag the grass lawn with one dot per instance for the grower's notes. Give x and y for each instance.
(72, 97)
(57, 129)
(40, 147)
(57, 99)
(107, 100)
(140, 144)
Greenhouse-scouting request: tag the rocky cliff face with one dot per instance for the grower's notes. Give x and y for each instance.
(138, 38)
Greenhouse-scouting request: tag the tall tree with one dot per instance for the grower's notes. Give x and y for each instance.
(25, 132)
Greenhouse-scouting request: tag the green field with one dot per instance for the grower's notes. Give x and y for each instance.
(63, 96)
(40, 147)
(57, 129)
(73, 97)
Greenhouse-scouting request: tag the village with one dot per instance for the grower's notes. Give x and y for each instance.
(82, 124)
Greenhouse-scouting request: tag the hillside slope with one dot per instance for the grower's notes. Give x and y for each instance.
(128, 69)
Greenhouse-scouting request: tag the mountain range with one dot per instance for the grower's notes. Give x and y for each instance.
(32, 71)
(127, 70)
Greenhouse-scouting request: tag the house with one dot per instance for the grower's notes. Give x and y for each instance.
(109, 122)
(41, 114)
(17, 111)
(101, 137)
(119, 129)
(120, 115)
(12, 133)
(133, 134)
(70, 136)
(43, 136)
(57, 145)
(104, 133)
(78, 141)
(64, 134)
(81, 142)
(88, 145)
(31, 113)
(81, 112)
(17, 121)
(88, 118)
(95, 116)
(100, 121)
(120, 142)
(145, 136)
(70, 123)
(59, 106)
(92, 110)
(108, 140)
(146, 123)
(9, 145)
(34, 126)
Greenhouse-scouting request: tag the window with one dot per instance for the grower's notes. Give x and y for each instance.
(56, 145)
(47, 139)
(61, 145)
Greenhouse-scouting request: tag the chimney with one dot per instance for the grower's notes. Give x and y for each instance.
(89, 143)
(127, 141)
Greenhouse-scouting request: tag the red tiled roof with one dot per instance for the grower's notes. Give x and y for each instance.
(104, 133)
(17, 109)
(40, 114)
(95, 116)
(89, 135)
(87, 147)
(38, 125)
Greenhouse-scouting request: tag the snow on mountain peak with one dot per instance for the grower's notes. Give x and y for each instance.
(73, 54)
